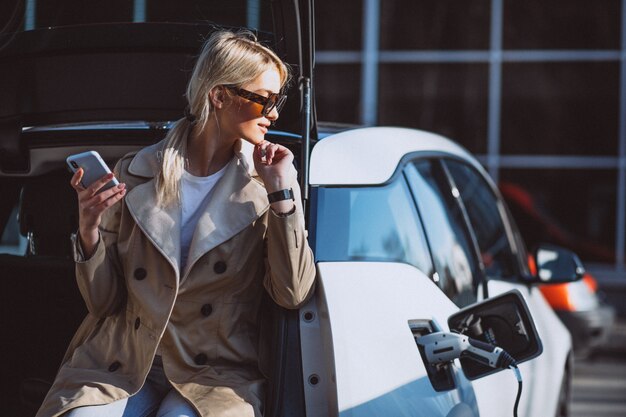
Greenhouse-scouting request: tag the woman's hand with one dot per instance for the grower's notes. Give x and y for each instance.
(91, 205)
(273, 163)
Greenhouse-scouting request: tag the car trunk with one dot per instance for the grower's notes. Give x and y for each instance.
(112, 72)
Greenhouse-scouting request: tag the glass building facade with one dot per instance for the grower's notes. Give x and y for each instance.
(536, 89)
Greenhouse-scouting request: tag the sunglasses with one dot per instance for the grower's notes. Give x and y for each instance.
(269, 103)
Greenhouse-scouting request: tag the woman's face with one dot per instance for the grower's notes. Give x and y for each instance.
(244, 116)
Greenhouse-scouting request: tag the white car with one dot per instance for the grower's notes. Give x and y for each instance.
(407, 229)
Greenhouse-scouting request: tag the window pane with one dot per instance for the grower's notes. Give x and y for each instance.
(571, 208)
(52, 13)
(452, 249)
(337, 93)
(339, 25)
(224, 13)
(560, 108)
(377, 224)
(449, 99)
(484, 215)
(434, 24)
(561, 24)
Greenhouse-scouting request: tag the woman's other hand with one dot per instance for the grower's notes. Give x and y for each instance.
(91, 205)
(273, 163)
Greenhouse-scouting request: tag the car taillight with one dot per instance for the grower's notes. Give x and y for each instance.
(571, 296)
(557, 296)
(532, 266)
(591, 282)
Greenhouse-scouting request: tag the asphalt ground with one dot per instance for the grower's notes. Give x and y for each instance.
(599, 383)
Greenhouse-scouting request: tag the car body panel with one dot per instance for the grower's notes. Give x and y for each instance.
(371, 155)
(378, 365)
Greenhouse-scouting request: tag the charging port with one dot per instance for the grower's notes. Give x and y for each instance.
(440, 374)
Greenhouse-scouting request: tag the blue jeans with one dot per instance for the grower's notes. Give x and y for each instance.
(155, 398)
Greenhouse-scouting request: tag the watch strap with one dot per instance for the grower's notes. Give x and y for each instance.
(280, 195)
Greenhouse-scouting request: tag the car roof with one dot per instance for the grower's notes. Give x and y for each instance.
(369, 156)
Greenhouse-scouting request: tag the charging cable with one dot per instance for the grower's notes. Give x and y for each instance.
(442, 347)
(518, 375)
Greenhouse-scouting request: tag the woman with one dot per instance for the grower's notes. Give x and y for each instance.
(172, 263)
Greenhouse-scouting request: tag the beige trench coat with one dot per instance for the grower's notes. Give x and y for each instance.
(203, 319)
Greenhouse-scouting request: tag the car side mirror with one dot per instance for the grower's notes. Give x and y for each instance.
(503, 321)
(557, 265)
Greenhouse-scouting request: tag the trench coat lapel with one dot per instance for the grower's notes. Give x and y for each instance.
(161, 225)
(238, 200)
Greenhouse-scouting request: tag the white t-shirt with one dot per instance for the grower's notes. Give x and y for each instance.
(196, 192)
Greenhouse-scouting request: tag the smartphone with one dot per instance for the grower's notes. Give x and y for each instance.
(93, 167)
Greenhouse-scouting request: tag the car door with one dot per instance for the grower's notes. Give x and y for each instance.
(441, 203)
(376, 294)
(504, 258)
(459, 267)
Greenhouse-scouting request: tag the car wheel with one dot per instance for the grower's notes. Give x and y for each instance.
(562, 409)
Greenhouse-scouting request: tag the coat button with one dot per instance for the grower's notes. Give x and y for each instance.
(137, 323)
(201, 359)
(206, 310)
(114, 366)
(140, 274)
(219, 267)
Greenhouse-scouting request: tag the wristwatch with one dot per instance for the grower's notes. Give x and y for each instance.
(280, 195)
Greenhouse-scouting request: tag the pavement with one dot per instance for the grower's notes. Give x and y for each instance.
(616, 342)
(599, 382)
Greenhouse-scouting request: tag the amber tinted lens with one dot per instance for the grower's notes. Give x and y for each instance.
(269, 105)
(274, 100)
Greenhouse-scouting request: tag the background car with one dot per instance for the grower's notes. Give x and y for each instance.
(406, 226)
(580, 305)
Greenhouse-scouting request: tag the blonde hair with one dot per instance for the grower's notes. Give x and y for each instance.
(227, 58)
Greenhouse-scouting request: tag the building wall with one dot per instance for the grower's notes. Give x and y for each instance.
(535, 88)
